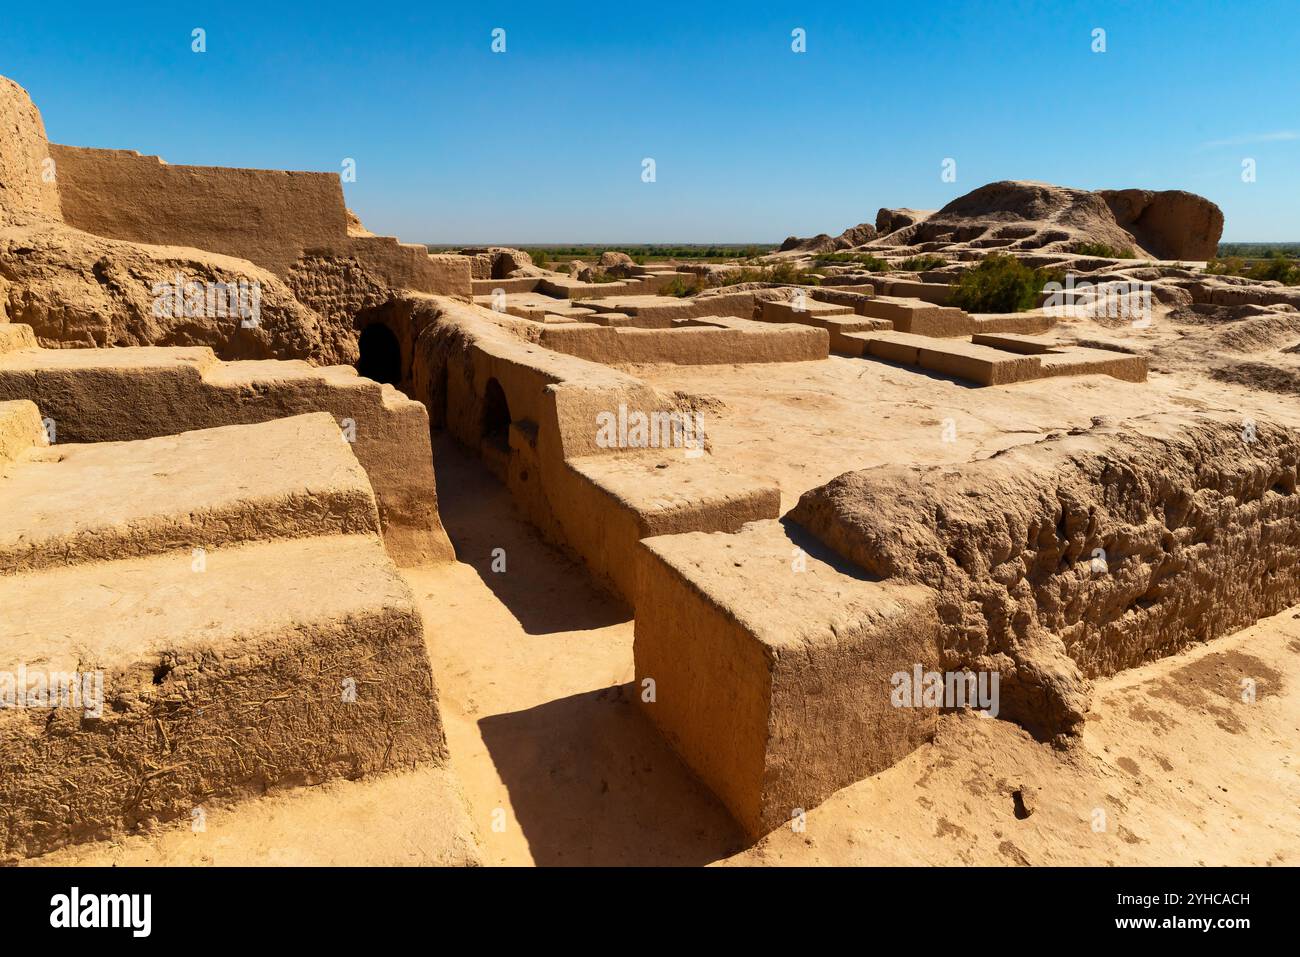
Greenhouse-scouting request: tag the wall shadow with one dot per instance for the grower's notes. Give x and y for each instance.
(542, 587)
(380, 354)
(593, 784)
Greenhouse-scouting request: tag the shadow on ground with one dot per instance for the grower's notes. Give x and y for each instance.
(927, 373)
(537, 575)
(592, 783)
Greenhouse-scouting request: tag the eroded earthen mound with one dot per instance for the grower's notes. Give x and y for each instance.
(1163, 225)
(1022, 215)
(823, 243)
(78, 289)
(75, 289)
(1082, 555)
(27, 182)
(1171, 224)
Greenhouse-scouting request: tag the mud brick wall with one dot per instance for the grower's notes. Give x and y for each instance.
(269, 217)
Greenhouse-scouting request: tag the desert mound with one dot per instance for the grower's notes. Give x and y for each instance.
(1164, 225)
(1016, 214)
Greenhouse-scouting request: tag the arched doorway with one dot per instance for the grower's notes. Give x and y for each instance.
(381, 355)
(496, 414)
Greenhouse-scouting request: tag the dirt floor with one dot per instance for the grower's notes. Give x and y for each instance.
(1173, 768)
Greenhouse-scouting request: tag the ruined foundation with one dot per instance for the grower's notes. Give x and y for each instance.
(804, 480)
(183, 697)
(775, 707)
(1104, 550)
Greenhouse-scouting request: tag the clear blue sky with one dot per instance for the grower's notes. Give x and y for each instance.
(752, 142)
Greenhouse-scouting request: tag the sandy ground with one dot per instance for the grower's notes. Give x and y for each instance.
(534, 665)
(1173, 768)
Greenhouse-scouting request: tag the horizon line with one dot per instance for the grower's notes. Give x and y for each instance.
(718, 242)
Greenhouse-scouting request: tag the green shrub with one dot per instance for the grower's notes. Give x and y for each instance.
(790, 274)
(787, 274)
(1231, 266)
(865, 260)
(1103, 250)
(681, 288)
(1276, 267)
(1001, 283)
(921, 263)
(784, 274)
(1258, 250)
